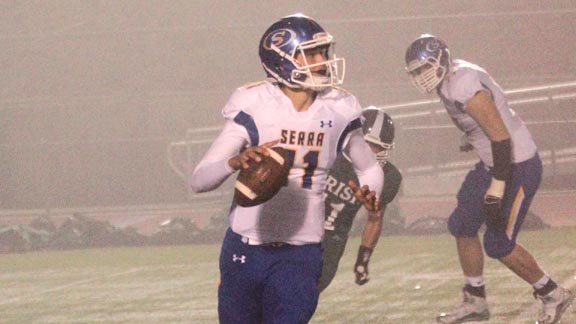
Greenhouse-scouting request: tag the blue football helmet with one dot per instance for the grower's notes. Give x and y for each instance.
(378, 129)
(290, 36)
(427, 62)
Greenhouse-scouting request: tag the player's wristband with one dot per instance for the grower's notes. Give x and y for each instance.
(502, 158)
(364, 254)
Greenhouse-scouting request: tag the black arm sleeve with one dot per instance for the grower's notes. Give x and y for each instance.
(502, 156)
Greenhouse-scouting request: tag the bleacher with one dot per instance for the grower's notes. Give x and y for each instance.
(427, 152)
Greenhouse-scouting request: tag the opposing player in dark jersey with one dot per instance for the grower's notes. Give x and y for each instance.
(341, 207)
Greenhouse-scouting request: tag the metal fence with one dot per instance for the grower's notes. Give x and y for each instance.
(111, 172)
(427, 143)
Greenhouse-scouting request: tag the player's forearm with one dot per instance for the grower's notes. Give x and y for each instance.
(209, 176)
(215, 167)
(372, 229)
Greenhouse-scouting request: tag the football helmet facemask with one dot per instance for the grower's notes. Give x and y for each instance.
(427, 62)
(378, 129)
(293, 35)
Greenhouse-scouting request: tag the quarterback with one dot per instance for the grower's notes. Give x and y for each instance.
(271, 256)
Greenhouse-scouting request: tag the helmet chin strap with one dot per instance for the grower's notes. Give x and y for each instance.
(382, 157)
(306, 79)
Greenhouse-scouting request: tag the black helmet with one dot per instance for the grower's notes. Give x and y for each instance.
(378, 129)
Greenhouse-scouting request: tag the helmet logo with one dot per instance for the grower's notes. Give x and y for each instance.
(433, 45)
(279, 38)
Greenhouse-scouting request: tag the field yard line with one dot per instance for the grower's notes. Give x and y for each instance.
(72, 284)
(570, 283)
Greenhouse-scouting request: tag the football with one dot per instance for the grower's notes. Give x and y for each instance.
(261, 181)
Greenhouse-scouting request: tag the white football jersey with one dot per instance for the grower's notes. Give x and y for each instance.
(261, 113)
(464, 81)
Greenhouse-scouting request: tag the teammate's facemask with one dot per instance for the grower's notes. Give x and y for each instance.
(427, 62)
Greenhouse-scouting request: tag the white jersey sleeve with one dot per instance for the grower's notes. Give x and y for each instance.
(466, 86)
(364, 162)
(464, 81)
(213, 169)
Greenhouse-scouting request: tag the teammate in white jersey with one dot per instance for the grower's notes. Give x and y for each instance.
(271, 257)
(498, 191)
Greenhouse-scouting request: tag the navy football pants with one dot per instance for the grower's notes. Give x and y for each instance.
(267, 285)
(468, 216)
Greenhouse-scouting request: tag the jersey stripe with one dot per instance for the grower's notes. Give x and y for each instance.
(355, 124)
(247, 121)
(518, 200)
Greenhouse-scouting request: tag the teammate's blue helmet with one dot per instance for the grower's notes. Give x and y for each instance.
(427, 62)
(378, 129)
(292, 35)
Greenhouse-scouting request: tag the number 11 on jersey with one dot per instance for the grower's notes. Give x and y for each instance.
(310, 160)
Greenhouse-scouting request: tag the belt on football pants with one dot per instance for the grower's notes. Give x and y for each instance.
(275, 244)
(249, 241)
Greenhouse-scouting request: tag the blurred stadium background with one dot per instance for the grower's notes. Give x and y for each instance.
(105, 105)
(102, 101)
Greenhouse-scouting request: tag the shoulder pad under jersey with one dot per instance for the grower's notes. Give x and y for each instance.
(253, 84)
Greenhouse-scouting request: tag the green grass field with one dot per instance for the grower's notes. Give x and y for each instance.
(413, 278)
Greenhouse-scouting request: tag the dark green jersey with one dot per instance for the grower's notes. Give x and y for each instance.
(340, 205)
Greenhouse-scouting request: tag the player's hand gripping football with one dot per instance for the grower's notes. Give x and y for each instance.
(252, 153)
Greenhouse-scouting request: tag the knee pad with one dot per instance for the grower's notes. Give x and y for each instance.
(497, 245)
(460, 224)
